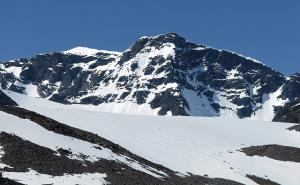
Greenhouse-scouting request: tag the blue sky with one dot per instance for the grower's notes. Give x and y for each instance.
(265, 30)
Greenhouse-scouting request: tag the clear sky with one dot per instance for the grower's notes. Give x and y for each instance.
(263, 29)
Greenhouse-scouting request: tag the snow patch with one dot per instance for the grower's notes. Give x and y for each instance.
(84, 51)
(34, 178)
(199, 105)
(14, 70)
(270, 101)
(31, 90)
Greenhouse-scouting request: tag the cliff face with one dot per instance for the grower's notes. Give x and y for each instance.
(289, 113)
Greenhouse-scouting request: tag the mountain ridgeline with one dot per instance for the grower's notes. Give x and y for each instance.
(160, 75)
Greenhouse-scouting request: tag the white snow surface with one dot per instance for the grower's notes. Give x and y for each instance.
(185, 144)
(32, 132)
(14, 70)
(84, 51)
(270, 101)
(34, 178)
(199, 105)
(36, 134)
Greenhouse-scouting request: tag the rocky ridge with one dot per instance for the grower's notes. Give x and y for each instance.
(160, 75)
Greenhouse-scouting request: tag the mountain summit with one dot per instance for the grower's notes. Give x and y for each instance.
(160, 75)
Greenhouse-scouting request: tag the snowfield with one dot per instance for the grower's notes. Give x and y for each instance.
(84, 51)
(40, 136)
(197, 145)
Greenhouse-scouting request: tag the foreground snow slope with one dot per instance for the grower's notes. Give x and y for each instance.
(36, 134)
(32, 132)
(185, 144)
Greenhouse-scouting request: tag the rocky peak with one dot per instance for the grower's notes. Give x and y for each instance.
(164, 74)
(167, 38)
(173, 40)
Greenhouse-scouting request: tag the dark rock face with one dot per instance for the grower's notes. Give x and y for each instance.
(140, 96)
(168, 102)
(156, 72)
(5, 100)
(289, 113)
(295, 127)
(22, 155)
(291, 89)
(278, 152)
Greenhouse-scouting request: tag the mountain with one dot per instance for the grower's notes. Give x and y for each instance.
(44, 142)
(160, 75)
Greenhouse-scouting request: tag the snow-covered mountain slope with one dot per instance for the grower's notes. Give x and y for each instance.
(160, 75)
(200, 146)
